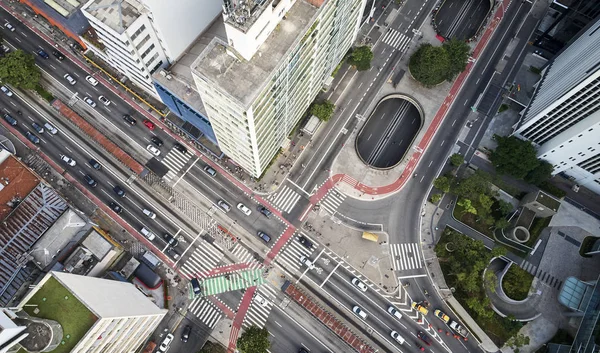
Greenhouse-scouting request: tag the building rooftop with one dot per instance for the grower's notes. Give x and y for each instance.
(548, 200)
(116, 14)
(67, 13)
(16, 182)
(242, 79)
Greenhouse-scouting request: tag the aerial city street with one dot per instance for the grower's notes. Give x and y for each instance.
(299, 176)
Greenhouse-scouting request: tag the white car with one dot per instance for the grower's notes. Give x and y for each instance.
(357, 282)
(51, 129)
(104, 100)
(358, 311)
(155, 151)
(244, 209)
(68, 160)
(89, 101)
(149, 213)
(9, 26)
(164, 346)
(6, 91)
(91, 80)
(395, 335)
(260, 300)
(306, 262)
(70, 78)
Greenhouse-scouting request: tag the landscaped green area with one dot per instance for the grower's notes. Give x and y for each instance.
(463, 268)
(516, 283)
(56, 303)
(432, 65)
(587, 245)
(538, 225)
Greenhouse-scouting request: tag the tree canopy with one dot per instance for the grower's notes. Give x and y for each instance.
(514, 156)
(540, 174)
(442, 183)
(361, 58)
(254, 340)
(323, 111)
(432, 65)
(18, 68)
(458, 54)
(457, 159)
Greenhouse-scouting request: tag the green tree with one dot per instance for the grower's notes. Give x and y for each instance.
(18, 68)
(361, 58)
(504, 207)
(540, 174)
(435, 198)
(501, 223)
(254, 340)
(429, 65)
(323, 111)
(518, 341)
(485, 202)
(457, 159)
(458, 54)
(442, 183)
(514, 156)
(211, 347)
(471, 187)
(467, 206)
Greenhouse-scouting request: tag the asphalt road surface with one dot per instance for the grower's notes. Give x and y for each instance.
(461, 19)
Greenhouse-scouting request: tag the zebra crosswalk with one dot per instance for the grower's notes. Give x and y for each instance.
(175, 161)
(205, 311)
(285, 199)
(289, 257)
(332, 200)
(204, 257)
(396, 39)
(406, 256)
(240, 252)
(258, 313)
(542, 275)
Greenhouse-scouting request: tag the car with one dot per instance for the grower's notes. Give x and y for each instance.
(90, 181)
(119, 191)
(91, 80)
(170, 240)
(150, 125)
(70, 161)
(260, 300)
(394, 312)
(306, 262)
(358, 311)
(360, 284)
(116, 207)
(155, 140)
(395, 335)
(245, 210)
(9, 27)
(195, 284)
(42, 53)
(185, 335)
(89, 101)
(265, 211)
(31, 137)
(304, 241)
(423, 337)
(51, 129)
(181, 148)
(37, 127)
(129, 119)
(224, 206)
(210, 171)
(95, 164)
(440, 315)
(9, 119)
(155, 151)
(6, 91)
(149, 213)
(147, 233)
(164, 346)
(302, 350)
(104, 100)
(420, 307)
(264, 236)
(58, 55)
(70, 79)
(419, 347)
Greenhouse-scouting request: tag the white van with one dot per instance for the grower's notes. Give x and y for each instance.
(148, 234)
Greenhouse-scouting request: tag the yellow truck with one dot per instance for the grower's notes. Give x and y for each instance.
(420, 307)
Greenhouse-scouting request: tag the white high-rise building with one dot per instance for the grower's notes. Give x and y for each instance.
(563, 118)
(137, 37)
(256, 86)
(10, 332)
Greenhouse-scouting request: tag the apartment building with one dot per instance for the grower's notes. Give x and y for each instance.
(257, 84)
(563, 118)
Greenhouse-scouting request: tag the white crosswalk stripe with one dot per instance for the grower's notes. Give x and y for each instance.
(244, 255)
(205, 311)
(332, 200)
(205, 257)
(285, 199)
(289, 257)
(396, 39)
(406, 256)
(175, 161)
(258, 314)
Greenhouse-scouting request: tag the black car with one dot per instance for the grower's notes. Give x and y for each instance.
(9, 119)
(94, 163)
(58, 55)
(304, 241)
(155, 140)
(119, 191)
(264, 236)
(31, 137)
(170, 240)
(129, 119)
(181, 148)
(116, 207)
(90, 181)
(42, 53)
(37, 127)
(186, 333)
(265, 211)
(423, 337)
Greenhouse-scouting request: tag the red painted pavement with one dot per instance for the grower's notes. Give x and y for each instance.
(223, 270)
(287, 234)
(239, 318)
(230, 314)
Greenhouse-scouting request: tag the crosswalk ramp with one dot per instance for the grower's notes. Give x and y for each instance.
(285, 199)
(175, 161)
(261, 306)
(542, 275)
(244, 256)
(289, 257)
(406, 256)
(395, 39)
(205, 311)
(204, 257)
(332, 200)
